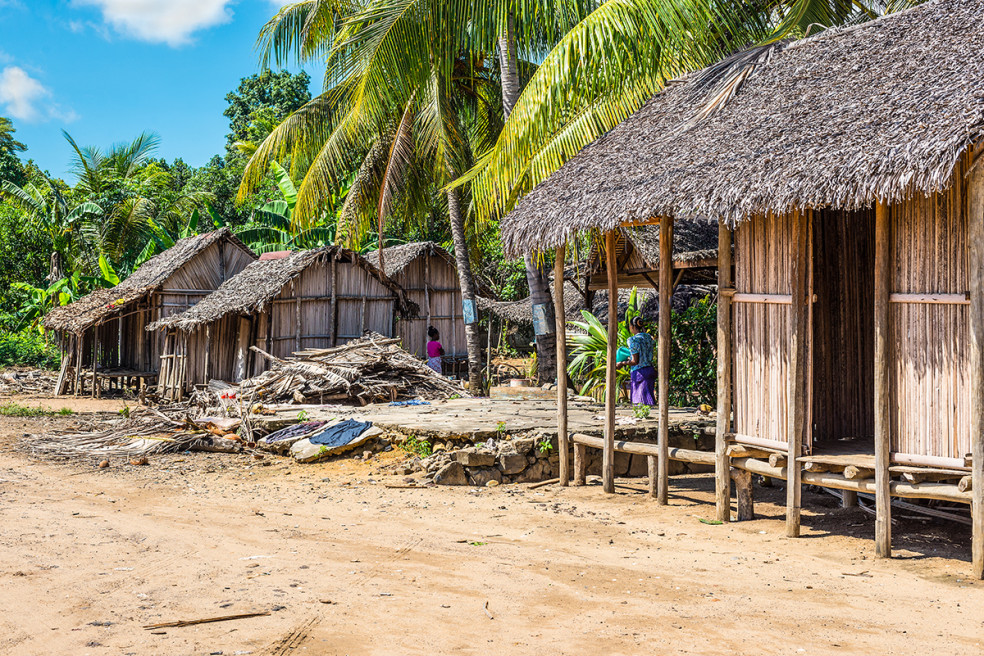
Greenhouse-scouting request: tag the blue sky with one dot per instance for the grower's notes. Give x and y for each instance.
(106, 70)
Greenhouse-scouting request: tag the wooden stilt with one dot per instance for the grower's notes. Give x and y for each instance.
(79, 341)
(208, 353)
(665, 295)
(653, 463)
(611, 394)
(580, 464)
(722, 462)
(798, 353)
(883, 506)
(743, 492)
(561, 333)
(95, 361)
(975, 238)
(849, 499)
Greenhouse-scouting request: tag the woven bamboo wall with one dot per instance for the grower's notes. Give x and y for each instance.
(843, 325)
(432, 283)
(931, 358)
(763, 265)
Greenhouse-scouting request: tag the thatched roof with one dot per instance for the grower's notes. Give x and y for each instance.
(693, 241)
(249, 290)
(104, 304)
(877, 111)
(397, 258)
(521, 312)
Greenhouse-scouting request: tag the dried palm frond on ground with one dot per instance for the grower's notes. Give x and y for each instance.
(373, 368)
(144, 432)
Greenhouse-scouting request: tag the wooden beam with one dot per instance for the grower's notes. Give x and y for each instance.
(798, 367)
(665, 339)
(611, 394)
(882, 378)
(725, 343)
(975, 238)
(561, 336)
(646, 449)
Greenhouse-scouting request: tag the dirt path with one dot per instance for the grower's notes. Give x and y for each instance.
(348, 566)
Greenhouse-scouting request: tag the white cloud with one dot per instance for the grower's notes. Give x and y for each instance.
(26, 99)
(161, 21)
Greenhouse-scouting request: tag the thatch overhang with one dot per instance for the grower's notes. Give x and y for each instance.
(250, 290)
(105, 304)
(879, 111)
(398, 258)
(521, 311)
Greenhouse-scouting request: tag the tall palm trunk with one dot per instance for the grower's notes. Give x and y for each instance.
(536, 277)
(467, 283)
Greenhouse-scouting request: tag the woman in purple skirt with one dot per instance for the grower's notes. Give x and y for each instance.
(642, 377)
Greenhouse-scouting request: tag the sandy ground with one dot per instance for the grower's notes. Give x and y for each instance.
(346, 565)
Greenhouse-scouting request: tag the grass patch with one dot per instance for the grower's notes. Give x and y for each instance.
(17, 410)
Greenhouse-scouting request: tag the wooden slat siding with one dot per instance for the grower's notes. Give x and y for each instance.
(843, 328)
(931, 355)
(763, 265)
(432, 283)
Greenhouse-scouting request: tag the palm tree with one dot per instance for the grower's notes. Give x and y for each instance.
(398, 86)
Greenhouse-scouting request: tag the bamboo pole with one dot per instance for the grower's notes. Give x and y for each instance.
(561, 333)
(208, 352)
(883, 508)
(95, 359)
(611, 394)
(665, 296)
(975, 238)
(722, 462)
(798, 369)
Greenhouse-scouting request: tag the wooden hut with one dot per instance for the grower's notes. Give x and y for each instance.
(103, 333)
(282, 303)
(637, 256)
(427, 273)
(845, 169)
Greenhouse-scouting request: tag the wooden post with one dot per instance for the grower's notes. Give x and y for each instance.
(798, 368)
(242, 349)
(665, 300)
(722, 463)
(208, 352)
(580, 464)
(975, 238)
(883, 409)
(79, 342)
(849, 499)
(333, 318)
(611, 394)
(652, 463)
(561, 333)
(743, 492)
(95, 360)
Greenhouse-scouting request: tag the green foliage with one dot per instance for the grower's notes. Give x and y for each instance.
(27, 348)
(267, 94)
(416, 446)
(17, 410)
(693, 355)
(544, 445)
(302, 415)
(10, 165)
(590, 349)
(640, 411)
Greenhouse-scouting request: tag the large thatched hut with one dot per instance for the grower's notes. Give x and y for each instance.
(103, 333)
(429, 276)
(282, 303)
(845, 170)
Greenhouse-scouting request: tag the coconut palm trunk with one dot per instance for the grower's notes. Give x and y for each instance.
(467, 283)
(536, 276)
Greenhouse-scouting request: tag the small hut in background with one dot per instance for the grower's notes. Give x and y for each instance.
(637, 257)
(103, 333)
(282, 303)
(427, 273)
(846, 168)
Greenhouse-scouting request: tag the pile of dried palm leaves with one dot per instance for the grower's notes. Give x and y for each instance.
(142, 432)
(371, 369)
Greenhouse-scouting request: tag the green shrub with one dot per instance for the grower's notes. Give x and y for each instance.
(693, 355)
(17, 410)
(27, 348)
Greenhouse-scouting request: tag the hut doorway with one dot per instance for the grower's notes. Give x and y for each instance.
(843, 346)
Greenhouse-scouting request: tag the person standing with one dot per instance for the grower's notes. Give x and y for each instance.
(435, 351)
(642, 376)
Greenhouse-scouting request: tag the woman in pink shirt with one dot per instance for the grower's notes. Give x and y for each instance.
(434, 350)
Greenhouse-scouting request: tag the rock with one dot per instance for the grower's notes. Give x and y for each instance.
(104, 464)
(492, 483)
(470, 458)
(523, 445)
(639, 466)
(483, 476)
(512, 463)
(451, 474)
(139, 461)
(621, 463)
(534, 473)
(438, 447)
(366, 455)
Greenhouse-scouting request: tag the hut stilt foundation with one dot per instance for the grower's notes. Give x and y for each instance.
(882, 378)
(611, 393)
(798, 368)
(665, 294)
(722, 463)
(975, 189)
(561, 333)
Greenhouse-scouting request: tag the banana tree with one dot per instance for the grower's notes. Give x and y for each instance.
(589, 345)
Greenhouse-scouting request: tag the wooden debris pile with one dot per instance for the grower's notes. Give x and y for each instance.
(27, 381)
(370, 369)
